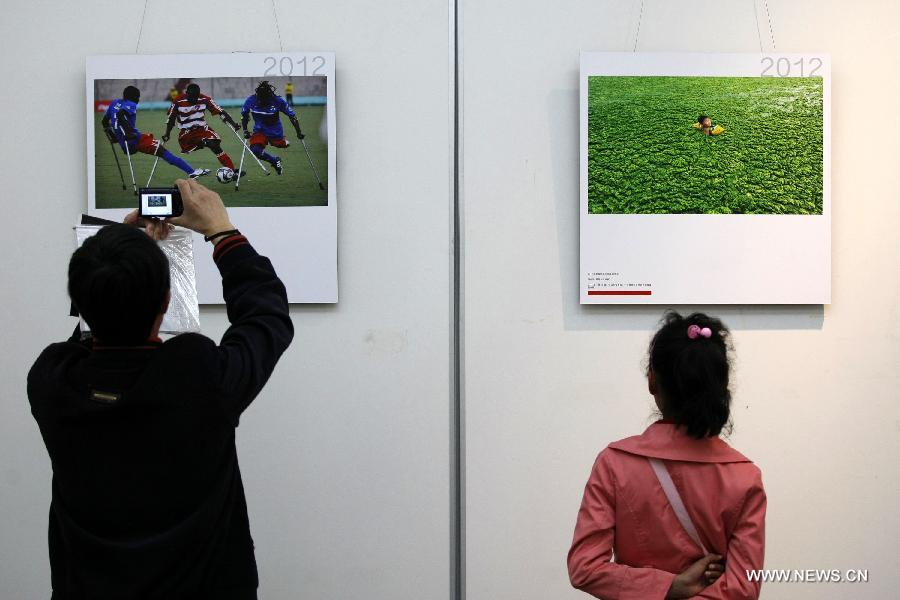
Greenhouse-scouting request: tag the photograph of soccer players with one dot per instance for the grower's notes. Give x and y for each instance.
(252, 161)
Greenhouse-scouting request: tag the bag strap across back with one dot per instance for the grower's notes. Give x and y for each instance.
(668, 486)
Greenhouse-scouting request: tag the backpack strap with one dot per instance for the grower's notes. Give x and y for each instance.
(668, 486)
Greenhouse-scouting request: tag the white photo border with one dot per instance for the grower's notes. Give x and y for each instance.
(703, 258)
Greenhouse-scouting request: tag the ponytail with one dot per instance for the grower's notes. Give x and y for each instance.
(690, 363)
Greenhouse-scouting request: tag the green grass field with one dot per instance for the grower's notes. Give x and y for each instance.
(644, 156)
(296, 187)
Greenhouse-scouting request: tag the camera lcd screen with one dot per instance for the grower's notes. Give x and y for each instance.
(156, 205)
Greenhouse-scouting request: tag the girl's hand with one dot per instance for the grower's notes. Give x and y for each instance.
(696, 577)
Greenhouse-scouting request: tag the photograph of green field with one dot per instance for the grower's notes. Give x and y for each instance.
(296, 186)
(647, 155)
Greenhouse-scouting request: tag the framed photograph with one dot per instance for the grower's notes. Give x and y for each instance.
(257, 128)
(705, 179)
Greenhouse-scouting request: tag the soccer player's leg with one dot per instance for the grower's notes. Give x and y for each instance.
(148, 145)
(188, 141)
(257, 143)
(214, 143)
(281, 142)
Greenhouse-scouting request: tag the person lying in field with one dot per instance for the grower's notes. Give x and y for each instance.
(706, 127)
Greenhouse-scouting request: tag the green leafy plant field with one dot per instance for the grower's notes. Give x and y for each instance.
(644, 156)
(296, 187)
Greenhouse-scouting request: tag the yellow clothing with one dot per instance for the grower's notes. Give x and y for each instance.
(289, 88)
(717, 130)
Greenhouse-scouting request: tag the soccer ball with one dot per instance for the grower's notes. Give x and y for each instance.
(224, 175)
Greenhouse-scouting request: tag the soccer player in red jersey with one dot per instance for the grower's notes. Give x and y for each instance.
(188, 110)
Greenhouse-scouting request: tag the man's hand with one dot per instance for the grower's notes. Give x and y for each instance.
(110, 135)
(231, 122)
(696, 577)
(246, 135)
(156, 229)
(204, 211)
(300, 135)
(165, 137)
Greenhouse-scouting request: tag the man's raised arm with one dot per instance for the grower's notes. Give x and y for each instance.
(256, 300)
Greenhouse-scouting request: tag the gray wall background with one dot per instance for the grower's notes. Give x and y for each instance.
(346, 454)
(548, 383)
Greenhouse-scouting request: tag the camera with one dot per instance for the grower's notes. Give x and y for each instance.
(160, 202)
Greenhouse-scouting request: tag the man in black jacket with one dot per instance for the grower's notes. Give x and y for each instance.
(147, 498)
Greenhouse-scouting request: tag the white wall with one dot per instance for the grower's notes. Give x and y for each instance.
(548, 383)
(345, 455)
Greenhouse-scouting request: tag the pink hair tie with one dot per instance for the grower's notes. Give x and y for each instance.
(695, 331)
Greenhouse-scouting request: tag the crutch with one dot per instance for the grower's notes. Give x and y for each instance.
(153, 170)
(128, 154)
(309, 158)
(244, 144)
(112, 146)
(237, 182)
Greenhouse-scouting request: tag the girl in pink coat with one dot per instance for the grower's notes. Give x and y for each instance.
(674, 512)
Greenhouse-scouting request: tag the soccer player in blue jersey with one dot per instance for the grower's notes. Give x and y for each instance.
(120, 126)
(265, 106)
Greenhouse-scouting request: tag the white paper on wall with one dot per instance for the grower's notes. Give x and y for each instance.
(183, 314)
(735, 209)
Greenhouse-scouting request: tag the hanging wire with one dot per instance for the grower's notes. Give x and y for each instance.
(771, 31)
(140, 35)
(277, 28)
(758, 34)
(637, 33)
(137, 46)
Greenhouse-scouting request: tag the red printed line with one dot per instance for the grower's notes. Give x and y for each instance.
(619, 292)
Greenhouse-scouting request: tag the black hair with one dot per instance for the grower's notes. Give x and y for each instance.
(692, 374)
(265, 91)
(192, 86)
(118, 281)
(131, 94)
(701, 118)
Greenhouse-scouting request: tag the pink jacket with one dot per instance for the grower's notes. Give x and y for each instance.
(625, 512)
